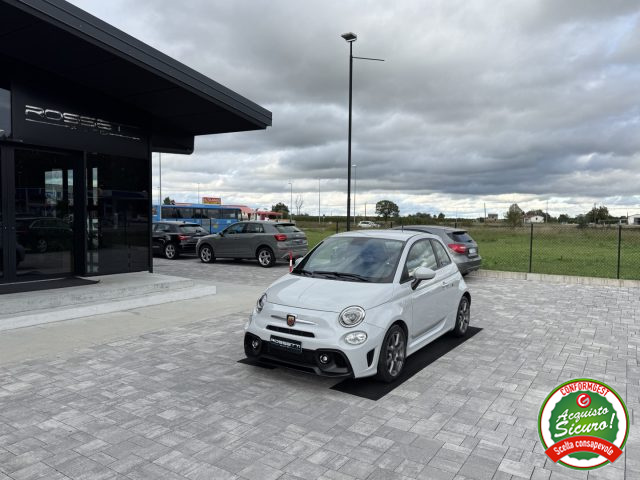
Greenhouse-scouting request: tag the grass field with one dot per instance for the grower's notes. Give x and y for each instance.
(559, 249)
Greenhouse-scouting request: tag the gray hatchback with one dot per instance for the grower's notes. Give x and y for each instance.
(263, 240)
(463, 248)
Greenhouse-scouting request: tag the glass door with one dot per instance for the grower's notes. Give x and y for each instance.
(44, 214)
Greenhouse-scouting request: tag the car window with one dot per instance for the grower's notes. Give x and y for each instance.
(191, 229)
(420, 255)
(286, 228)
(374, 259)
(254, 228)
(441, 253)
(235, 229)
(460, 237)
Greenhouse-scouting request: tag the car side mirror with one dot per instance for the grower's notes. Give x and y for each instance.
(420, 274)
(297, 261)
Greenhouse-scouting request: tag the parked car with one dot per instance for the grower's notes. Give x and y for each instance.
(462, 247)
(44, 234)
(358, 304)
(173, 239)
(265, 241)
(367, 224)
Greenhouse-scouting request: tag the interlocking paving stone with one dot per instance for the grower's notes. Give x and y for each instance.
(176, 404)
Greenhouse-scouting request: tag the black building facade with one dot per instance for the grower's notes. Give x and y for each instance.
(82, 108)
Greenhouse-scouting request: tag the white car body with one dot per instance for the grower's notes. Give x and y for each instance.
(367, 224)
(426, 313)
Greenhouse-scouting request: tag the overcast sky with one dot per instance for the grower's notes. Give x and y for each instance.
(528, 101)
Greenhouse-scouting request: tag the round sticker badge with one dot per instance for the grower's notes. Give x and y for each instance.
(583, 424)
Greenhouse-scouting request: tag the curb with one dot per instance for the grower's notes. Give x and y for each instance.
(547, 278)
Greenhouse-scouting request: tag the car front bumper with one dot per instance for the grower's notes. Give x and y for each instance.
(325, 337)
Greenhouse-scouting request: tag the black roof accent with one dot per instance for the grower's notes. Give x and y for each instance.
(56, 36)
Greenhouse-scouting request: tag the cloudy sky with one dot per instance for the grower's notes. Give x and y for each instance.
(478, 102)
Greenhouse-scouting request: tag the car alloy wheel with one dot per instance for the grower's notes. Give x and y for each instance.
(170, 251)
(265, 257)
(462, 317)
(206, 254)
(392, 355)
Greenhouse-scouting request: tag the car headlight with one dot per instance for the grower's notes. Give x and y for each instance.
(355, 338)
(351, 316)
(260, 303)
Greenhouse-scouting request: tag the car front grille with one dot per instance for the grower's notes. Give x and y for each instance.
(290, 331)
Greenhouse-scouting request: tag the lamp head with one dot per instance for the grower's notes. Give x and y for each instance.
(349, 37)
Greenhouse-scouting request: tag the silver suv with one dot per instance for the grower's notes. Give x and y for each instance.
(263, 240)
(463, 248)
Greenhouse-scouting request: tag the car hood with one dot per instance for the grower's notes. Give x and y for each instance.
(326, 294)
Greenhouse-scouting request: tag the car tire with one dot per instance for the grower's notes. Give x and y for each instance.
(463, 316)
(206, 254)
(42, 245)
(265, 257)
(170, 251)
(393, 354)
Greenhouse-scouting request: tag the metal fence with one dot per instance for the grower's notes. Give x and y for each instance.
(611, 251)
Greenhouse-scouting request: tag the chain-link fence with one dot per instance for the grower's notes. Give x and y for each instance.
(611, 251)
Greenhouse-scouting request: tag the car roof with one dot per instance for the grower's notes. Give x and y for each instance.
(429, 227)
(388, 234)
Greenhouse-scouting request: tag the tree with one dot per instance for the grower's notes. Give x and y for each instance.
(387, 209)
(441, 216)
(514, 215)
(299, 203)
(168, 201)
(280, 207)
(598, 214)
(563, 218)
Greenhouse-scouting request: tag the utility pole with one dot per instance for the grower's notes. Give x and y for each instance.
(318, 200)
(485, 212)
(160, 184)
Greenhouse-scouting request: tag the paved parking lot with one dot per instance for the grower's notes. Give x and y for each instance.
(176, 404)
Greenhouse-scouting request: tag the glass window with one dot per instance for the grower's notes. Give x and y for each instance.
(230, 213)
(191, 229)
(235, 229)
(254, 228)
(212, 213)
(286, 228)
(185, 212)
(460, 237)
(441, 253)
(5, 113)
(354, 259)
(420, 255)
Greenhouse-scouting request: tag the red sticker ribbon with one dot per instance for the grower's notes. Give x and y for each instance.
(583, 443)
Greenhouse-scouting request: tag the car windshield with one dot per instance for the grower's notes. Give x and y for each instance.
(191, 229)
(356, 259)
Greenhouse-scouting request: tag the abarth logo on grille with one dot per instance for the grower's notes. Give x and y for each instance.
(291, 320)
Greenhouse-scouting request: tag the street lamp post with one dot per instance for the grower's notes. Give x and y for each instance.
(355, 185)
(351, 37)
(291, 200)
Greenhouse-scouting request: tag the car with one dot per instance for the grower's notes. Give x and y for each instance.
(42, 234)
(262, 240)
(358, 304)
(462, 247)
(174, 238)
(367, 224)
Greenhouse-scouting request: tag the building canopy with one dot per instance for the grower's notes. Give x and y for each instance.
(61, 39)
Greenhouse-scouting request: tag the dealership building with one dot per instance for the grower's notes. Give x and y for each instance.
(82, 108)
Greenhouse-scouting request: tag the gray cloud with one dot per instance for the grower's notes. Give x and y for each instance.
(510, 101)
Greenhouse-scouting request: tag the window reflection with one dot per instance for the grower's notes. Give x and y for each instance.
(5, 113)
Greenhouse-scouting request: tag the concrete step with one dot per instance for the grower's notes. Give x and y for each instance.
(113, 293)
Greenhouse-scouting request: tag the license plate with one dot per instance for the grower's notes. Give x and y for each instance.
(285, 344)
